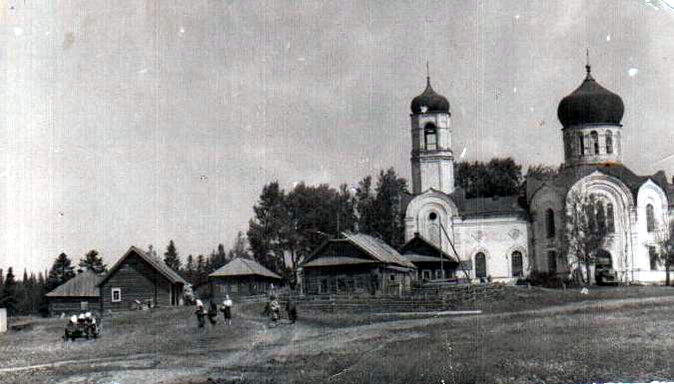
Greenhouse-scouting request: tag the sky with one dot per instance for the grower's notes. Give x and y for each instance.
(136, 122)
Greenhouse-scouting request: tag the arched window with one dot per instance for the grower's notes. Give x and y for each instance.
(517, 267)
(591, 217)
(430, 137)
(552, 261)
(550, 223)
(581, 143)
(610, 220)
(650, 218)
(595, 141)
(601, 216)
(609, 142)
(480, 265)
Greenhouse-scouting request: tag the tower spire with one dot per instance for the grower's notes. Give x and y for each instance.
(428, 74)
(588, 67)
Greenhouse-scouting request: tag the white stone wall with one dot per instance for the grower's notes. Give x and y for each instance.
(572, 150)
(497, 238)
(432, 168)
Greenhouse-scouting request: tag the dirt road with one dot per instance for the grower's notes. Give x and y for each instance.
(277, 354)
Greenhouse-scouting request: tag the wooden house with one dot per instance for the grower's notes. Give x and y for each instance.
(77, 295)
(140, 278)
(241, 277)
(429, 259)
(356, 263)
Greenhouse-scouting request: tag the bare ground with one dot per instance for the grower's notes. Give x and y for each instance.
(630, 336)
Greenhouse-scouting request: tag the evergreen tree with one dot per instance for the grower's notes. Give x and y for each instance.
(61, 271)
(200, 270)
(221, 257)
(171, 258)
(8, 297)
(92, 261)
(190, 269)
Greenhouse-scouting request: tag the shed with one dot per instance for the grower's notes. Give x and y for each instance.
(429, 259)
(356, 263)
(241, 277)
(79, 294)
(140, 278)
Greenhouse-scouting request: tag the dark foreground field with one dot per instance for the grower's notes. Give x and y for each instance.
(619, 334)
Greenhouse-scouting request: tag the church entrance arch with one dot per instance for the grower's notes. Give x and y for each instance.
(604, 273)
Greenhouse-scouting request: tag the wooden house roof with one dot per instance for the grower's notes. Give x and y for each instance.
(159, 265)
(82, 285)
(419, 249)
(376, 249)
(243, 267)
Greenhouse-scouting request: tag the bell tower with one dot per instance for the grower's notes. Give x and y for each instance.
(432, 157)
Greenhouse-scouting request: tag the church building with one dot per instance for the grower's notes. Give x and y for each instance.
(505, 238)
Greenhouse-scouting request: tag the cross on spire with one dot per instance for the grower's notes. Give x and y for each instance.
(588, 67)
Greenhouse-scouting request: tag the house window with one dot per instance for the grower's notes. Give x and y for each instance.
(581, 142)
(516, 261)
(653, 257)
(116, 295)
(234, 287)
(480, 265)
(609, 142)
(393, 277)
(84, 305)
(610, 223)
(550, 223)
(430, 137)
(650, 218)
(595, 141)
(426, 274)
(552, 261)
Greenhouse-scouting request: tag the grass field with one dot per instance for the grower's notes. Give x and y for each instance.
(527, 336)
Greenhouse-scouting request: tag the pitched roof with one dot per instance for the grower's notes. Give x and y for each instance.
(159, 265)
(376, 249)
(242, 267)
(420, 249)
(82, 285)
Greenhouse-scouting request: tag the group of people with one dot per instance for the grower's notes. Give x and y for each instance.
(273, 308)
(84, 325)
(212, 312)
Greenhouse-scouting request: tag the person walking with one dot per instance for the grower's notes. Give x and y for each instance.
(227, 310)
(212, 312)
(275, 308)
(201, 314)
(291, 308)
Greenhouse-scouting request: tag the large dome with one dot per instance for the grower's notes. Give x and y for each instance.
(429, 101)
(590, 104)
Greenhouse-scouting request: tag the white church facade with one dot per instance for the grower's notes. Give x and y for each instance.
(506, 238)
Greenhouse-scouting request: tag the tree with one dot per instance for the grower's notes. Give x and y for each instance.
(92, 261)
(200, 275)
(665, 249)
(60, 272)
(190, 269)
(585, 230)
(266, 226)
(8, 297)
(541, 171)
(379, 210)
(498, 177)
(171, 258)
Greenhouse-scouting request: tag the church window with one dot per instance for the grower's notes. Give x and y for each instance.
(650, 218)
(595, 141)
(430, 137)
(610, 220)
(516, 260)
(550, 223)
(581, 143)
(552, 261)
(653, 258)
(591, 217)
(601, 216)
(480, 265)
(609, 142)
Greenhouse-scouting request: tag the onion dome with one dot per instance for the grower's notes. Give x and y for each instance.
(429, 101)
(590, 104)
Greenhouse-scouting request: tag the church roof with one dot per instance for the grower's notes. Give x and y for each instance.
(590, 103)
(429, 101)
(568, 176)
(487, 206)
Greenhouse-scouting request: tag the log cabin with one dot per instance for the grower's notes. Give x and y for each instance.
(77, 295)
(429, 259)
(140, 278)
(356, 263)
(241, 277)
